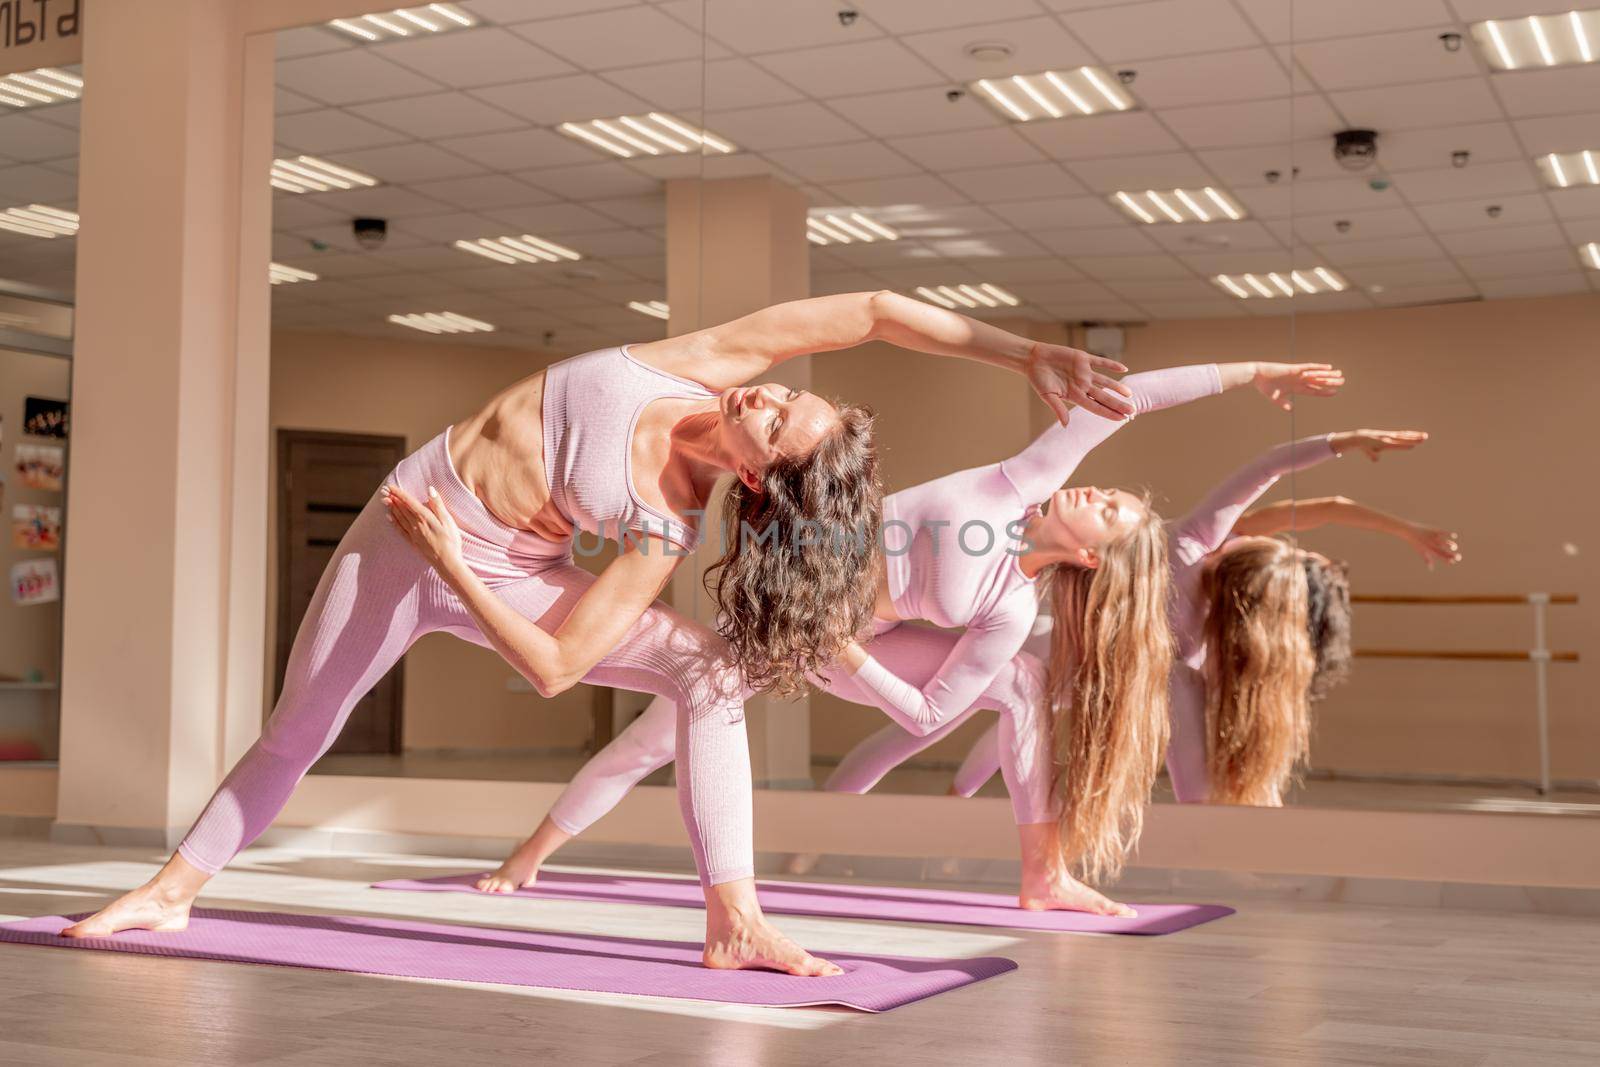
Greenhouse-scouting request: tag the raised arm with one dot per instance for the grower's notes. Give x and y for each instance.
(735, 352)
(1434, 545)
(1216, 517)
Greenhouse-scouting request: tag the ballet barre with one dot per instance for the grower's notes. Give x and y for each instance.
(1540, 655)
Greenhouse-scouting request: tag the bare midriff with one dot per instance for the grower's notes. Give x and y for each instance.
(499, 455)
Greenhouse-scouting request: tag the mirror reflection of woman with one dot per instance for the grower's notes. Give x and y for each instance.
(473, 535)
(1102, 554)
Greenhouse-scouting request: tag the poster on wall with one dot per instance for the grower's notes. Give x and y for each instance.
(43, 417)
(33, 581)
(36, 527)
(41, 466)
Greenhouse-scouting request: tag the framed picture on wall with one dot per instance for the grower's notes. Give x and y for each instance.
(36, 527)
(44, 417)
(41, 466)
(34, 581)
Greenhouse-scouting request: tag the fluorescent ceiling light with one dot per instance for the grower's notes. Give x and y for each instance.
(1179, 205)
(441, 322)
(1539, 41)
(35, 88)
(982, 295)
(404, 22)
(655, 134)
(1591, 255)
(1565, 169)
(845, 227)
(656, 309)
(280, 274)
(524, 249)
(37, 220)
(308, 174)
(1053, 94)
(1271, 285)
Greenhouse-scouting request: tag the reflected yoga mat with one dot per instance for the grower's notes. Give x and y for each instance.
(541, 958)
(843, 902)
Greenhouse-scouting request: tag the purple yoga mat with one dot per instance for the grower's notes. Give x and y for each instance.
(842, 902)
(539, 958)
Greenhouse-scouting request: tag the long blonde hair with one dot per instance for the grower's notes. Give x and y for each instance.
(1261, 663)
(1110, 654)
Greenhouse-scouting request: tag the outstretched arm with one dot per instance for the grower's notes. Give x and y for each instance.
(1434, 545)
(733, 353)
(1042, 467)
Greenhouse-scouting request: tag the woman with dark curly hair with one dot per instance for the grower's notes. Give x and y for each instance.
(474, 534)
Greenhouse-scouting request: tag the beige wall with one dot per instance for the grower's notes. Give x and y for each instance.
(456, 694)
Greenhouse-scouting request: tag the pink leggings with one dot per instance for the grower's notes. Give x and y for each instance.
(377, 596)
(912, 652)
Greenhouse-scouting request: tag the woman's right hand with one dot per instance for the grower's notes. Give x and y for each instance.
(430, 528)
(1375, 442)
(1434, 545)
(1067, 377)
(1278, 382)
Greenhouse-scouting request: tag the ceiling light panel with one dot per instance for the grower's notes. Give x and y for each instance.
(37, 220)
(656, 309)
(1562, 170)
(35, 88)
(1591, 255)
(846, 227)
(1278, 284)
(655, 134)
(973, 297)
(1155, 206)
(519, 249)
(280, 274)
(1053, 94)
(308, 174)
(1540, 40)
(404, 22)
(441, 322)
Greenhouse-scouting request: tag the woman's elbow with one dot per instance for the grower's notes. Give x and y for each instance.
(552, 685)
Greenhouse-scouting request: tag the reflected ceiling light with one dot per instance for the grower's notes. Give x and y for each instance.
(656, 309)
(1591, 255)
(968, 296)
(839, 227)
(1179, 205)
(1274, 284)
(655, 134)
(441, 322)
(1565, 169)
(524, 249)
(405, 22)
(33, 88)
(37, 220)
(1053, 94)
(280, 274)
(1539, 40)
(307, 174)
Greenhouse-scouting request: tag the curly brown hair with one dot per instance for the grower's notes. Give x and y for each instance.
(1328, 621)
(798, 575)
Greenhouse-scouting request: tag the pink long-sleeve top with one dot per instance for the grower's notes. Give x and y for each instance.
(953, 550)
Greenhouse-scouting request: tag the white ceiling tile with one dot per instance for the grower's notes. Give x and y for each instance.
(1242, 167)
(1559, 133)
(1028, 181)
(1191, 309)
(1425, 104)
(1257, 122)
(610, 243)
(1545, 237)
(29, 140)
(501, 278)
(1058, 213)
(340, 235)
(634, 210)
(1187, 289)
(1418, 149)
(1414, 295)
(1413, 55)
(1310, 20)
(726, 83)
(1212, 77)
(1380, 250)
(844, 162)
(69, 115)
(945, 151)
(342, 265)
(1576, 204)
(1350, 193)
(1004, 243)
(574, 98)
(835, 282)
(945, 220)
(286, 103)
(351, 77)
(463, 59)
(330, 129)
(1097, 136)
(625, 37)
(413, 162)
(438, 115)
(309, 41)
(1394, 220)
(883, 254)
(910, 16)
(1172, 170)
(650, 268)
(782, 126)
(743, 165)
(519, 149)
(1095, 311)
(1405, 275)
(1213, 236)
(548, 220)
(1165, 28)
(1124, 268)
(1537, 285)
(1037, 44)
(591, 181)
(1564, 91)
(484, 190)
(454, 226)
(385, 201)
(669, 165)
(1477, 10)
(1107, 241)
(1474, 215)
(1045, 268)
(873, 66)
(752, 28)
(1453, 183)
(1056, 292)
(291, 212)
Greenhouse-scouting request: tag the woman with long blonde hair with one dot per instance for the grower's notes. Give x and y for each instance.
(970, 551)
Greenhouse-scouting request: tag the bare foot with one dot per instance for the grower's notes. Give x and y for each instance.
(754, 944)
(514, 874)
(803, 862)
(1062, 892)
(150, 907)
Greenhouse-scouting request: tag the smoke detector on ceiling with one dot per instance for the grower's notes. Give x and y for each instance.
(989, 51)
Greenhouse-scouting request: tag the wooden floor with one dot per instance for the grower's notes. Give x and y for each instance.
(1277, 983)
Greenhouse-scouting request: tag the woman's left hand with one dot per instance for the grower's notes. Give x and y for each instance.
(430, 528)
(1434, 545)
(1278, 382)
(1066, 377)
